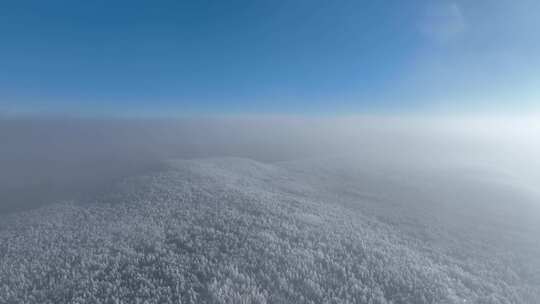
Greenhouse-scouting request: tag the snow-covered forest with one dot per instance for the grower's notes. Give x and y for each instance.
(234, 230)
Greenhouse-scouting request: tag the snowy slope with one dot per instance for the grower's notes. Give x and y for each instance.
(233, 230)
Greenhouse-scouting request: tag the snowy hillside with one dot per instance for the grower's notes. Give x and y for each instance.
(234, 230)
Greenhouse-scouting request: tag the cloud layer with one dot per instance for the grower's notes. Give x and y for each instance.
(43, 160)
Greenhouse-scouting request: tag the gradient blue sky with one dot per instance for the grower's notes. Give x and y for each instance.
(292, 57)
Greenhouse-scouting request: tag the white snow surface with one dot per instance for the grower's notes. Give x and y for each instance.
(232, 230)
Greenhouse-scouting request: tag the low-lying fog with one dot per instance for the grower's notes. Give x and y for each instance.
(44, 160)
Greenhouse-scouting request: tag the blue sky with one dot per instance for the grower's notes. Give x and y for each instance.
(285, 57)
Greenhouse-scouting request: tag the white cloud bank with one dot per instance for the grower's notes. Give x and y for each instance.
(58, 155)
